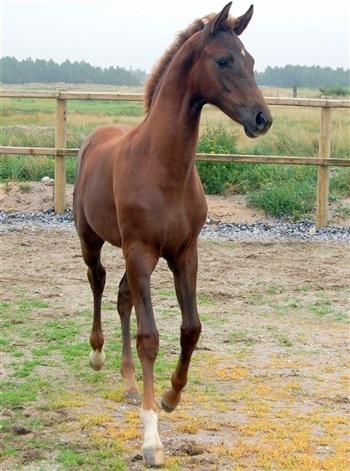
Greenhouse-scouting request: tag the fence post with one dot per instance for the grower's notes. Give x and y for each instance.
(323, 170)
(60, 160)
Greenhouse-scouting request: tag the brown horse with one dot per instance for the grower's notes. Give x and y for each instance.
(140, 190)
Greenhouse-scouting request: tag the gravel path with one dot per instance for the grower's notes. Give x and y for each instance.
(301, 230)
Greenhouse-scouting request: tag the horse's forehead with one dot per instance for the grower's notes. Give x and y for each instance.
(226, 40)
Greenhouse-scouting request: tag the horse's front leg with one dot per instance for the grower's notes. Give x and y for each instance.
(184, 269)
(140, 263)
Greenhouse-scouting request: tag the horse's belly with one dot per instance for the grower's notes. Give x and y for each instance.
(102, 218)
(94, 209)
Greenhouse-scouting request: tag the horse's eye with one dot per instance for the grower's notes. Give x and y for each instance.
(222, 63)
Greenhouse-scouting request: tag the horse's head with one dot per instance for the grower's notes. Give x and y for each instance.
(225, 76)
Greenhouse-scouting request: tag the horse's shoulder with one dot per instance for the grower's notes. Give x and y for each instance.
(110, 131)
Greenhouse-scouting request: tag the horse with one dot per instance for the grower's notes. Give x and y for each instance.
(140, 191)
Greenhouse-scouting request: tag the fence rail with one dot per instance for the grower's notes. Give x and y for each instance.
(110, 96)
(241, 158)
(323, 161)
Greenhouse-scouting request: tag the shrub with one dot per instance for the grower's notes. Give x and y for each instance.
(339, 182)
(288, 200)
(335, 90)
(282, 190)
(217, 177)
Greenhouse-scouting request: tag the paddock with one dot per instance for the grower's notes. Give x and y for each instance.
(268, 383)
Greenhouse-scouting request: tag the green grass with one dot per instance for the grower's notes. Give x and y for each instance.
(17, 395)
(73, 459)
(26, 368)
(30, 106)
(278, 190)
(284, 341)
(242, 337)
(290, 199)
(30, 168)
(103, 107)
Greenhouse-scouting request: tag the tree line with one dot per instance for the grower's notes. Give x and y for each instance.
(41, 71)
(27, 71)
(304, 76)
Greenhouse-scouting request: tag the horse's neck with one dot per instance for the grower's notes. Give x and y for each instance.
(174, 117)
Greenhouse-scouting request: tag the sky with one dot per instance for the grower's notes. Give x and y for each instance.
(135, 33)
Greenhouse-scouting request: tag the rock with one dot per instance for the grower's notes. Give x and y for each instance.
(47, 181)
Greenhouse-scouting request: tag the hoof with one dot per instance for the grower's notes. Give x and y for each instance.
(97, 360)
(132, 397)
(153, 457)
(166, 406)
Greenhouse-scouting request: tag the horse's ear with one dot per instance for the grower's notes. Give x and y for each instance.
(243, 21)
(220, 19)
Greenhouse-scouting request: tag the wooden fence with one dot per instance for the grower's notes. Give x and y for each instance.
(323, 161)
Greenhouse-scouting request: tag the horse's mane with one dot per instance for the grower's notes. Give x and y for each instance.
(160, 69)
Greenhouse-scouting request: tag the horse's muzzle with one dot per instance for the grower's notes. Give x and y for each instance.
(261, 121)
(259, 126)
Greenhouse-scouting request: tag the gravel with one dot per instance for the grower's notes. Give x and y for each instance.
(303, 230)
(16, 221)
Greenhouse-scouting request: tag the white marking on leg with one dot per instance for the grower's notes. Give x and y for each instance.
(152, 448)
(97, 359)
(151, 438)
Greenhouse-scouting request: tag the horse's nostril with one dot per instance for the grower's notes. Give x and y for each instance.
(261, 121)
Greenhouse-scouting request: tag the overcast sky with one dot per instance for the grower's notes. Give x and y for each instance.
(135, 33)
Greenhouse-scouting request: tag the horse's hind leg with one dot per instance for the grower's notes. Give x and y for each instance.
(96, 273)
(127, 368)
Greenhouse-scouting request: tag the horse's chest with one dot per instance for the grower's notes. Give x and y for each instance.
(181, 224)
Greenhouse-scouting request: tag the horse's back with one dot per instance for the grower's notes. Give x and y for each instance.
(97, 145)
(93, 200)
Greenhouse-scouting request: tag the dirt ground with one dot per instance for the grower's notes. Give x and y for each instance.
(269, 383)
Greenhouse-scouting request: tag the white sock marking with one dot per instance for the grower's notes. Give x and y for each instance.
(97, 359)
(151, 438)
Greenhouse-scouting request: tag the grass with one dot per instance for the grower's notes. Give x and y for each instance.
(279, 190)
(290, 199)
(242, 337)
(73, 459)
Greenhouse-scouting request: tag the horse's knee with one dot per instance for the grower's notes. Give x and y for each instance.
(189, 337)
(147, 345)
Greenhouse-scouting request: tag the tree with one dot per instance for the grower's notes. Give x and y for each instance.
(27, 71)
(304, 76)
